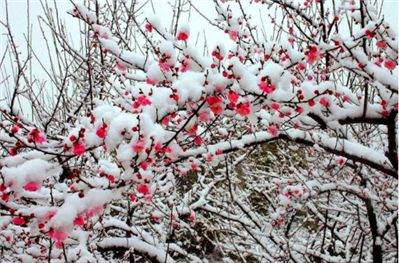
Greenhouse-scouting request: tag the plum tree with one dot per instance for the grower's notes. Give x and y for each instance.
(258, 150)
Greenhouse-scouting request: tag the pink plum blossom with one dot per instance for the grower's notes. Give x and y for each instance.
(323, 101)
(139, 146)
(233, 35)
(275, 106)
(267, 88)
(32, 186)
(78, 221)
(213, 100)
(205, 116)
(198, 141)
(18, 221)
(49, 214)
(182, 36)
(35, 136)
(272, 130)
(143, 100)
(144, 165)
(243, 109)
(233, 97)
(58, 245)
(158, 147)
(151, 82)
(78, 148)
(94, 211)
(313, 55)
(148, 197)
(217, 109)
(164, 66)
(58, 234)
(101, 133)
(143, 189)
(120, 67)
(148, 27)
(390, 65)
(382, 44)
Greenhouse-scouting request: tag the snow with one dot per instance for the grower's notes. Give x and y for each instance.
(136, 244)
(166, 158)
(17, 177)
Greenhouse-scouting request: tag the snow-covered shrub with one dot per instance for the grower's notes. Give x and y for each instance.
(261, 151)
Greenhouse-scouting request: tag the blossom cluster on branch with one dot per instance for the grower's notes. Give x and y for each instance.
(281, 150)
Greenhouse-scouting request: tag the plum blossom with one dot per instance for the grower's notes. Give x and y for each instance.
(233, 35)
(243, 109)
(32, 186)
(266, 87)
(204, 116)
(217, 109)
(111, 178)
(143, 100)
(78, 221)
(50, 214)
(272, 130)
(299, 110)
(382, 44)
(148, 27)
(58, 234)
(78, 148)
(101, 132)
(198, 141)
(164, 66)
(18, 221)
(143, 189)
(158, 147)
(219, 89)
(275, 106)
(192, 130)
(139, 146)
(323, 101)
(144, 165)
(165, 121)
(13, 152)
(35, 136)
(5, 197)
(182, 36)
(390, 65)
(185, 125)
(120, 67)
(313, 55)
(150, 82)
(167, 150)
(233, 97)
(58, 245)
(213, 100)
(148, 197)
(215, 103)
(14, 129)
(94, 211)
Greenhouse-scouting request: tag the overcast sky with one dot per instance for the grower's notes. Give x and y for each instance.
(19, 18)
(18, 12)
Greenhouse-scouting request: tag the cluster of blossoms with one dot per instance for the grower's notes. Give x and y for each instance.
(163, 148)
